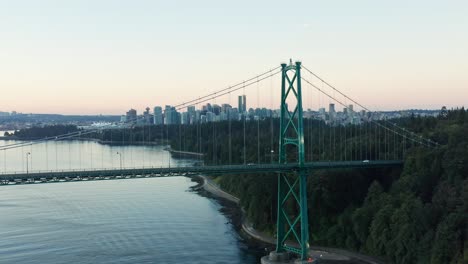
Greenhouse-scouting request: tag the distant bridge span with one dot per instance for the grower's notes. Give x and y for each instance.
(103, 174)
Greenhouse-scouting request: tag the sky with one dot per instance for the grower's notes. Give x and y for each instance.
(107, 56)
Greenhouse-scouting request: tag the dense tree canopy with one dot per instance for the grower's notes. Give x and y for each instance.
(37, 132)
(414, 215)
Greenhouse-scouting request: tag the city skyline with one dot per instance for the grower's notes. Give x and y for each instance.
(207, 113)
(63, 58)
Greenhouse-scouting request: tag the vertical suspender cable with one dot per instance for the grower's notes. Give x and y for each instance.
(230, 135)
(386, 145)
(56, 155)
(368, 128)
(102, 151)
(394, 146)
(79, 152)
(376, 142)
(69, 156)
(258, 124)
(144, 143)
(121, 145)
(356, 142)
(31, 157)
(47, 155)
(271, 120)
(345, 141)
(180, 135)
(131, 135)
(91, 153)
(361, 140)
(341, 142)
(22, 159)
(168, 145)
(244, 117)
(214, 141)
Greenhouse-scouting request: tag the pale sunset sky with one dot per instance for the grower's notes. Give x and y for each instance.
(106, 56)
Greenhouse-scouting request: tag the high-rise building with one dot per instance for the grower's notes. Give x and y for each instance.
(216, 109)
(131, 116)
(168, 115)
(203, 119)
(210, 117)
(242, 104)
(171, 116)
(331, 111)
(184, 120)
(158, 115)
(191, 109)
(225, 108)
(191, 114)
(245, 102)
(233, 114)
(147, 116)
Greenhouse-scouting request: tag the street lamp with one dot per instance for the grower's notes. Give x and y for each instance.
(271, 155)
(120, 156)
(27, 162)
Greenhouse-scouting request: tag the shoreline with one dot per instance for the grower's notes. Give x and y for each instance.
(325, 253)
(107, 142)
(175, 153)
(184, 154)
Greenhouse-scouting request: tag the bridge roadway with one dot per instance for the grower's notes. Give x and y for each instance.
(126, 173)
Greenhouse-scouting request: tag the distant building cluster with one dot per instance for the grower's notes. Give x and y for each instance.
(347, 116)
(169, 115)
(13, 113)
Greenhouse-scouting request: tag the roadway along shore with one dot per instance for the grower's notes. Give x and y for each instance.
(332, 254)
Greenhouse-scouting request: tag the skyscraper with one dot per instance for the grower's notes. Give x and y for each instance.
(245, 102)
(158, 115)
(184, 118)
(242, 104)
(331, 112)
(171, 116)
(131, 116)
(216, 109)
(191, 108)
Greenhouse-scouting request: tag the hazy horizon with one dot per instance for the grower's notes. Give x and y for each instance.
(105, 57)
(142, 110)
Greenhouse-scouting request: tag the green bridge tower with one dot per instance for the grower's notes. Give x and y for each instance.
(292, 221)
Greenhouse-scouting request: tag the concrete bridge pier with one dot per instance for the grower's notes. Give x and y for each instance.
(283, 258)
(276, 258)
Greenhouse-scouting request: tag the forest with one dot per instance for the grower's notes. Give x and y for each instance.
(416, 214)
(40, 132)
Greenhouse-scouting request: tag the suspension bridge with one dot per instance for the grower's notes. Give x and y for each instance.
(364, 141)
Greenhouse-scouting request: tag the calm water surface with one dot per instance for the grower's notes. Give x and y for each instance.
(80, 155)
(157, 220)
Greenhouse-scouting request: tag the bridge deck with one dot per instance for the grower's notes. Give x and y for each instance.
(101, 174)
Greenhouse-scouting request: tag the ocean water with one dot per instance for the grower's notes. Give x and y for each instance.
(146, 220)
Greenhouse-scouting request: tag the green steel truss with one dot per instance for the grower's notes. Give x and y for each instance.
(292, 225)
